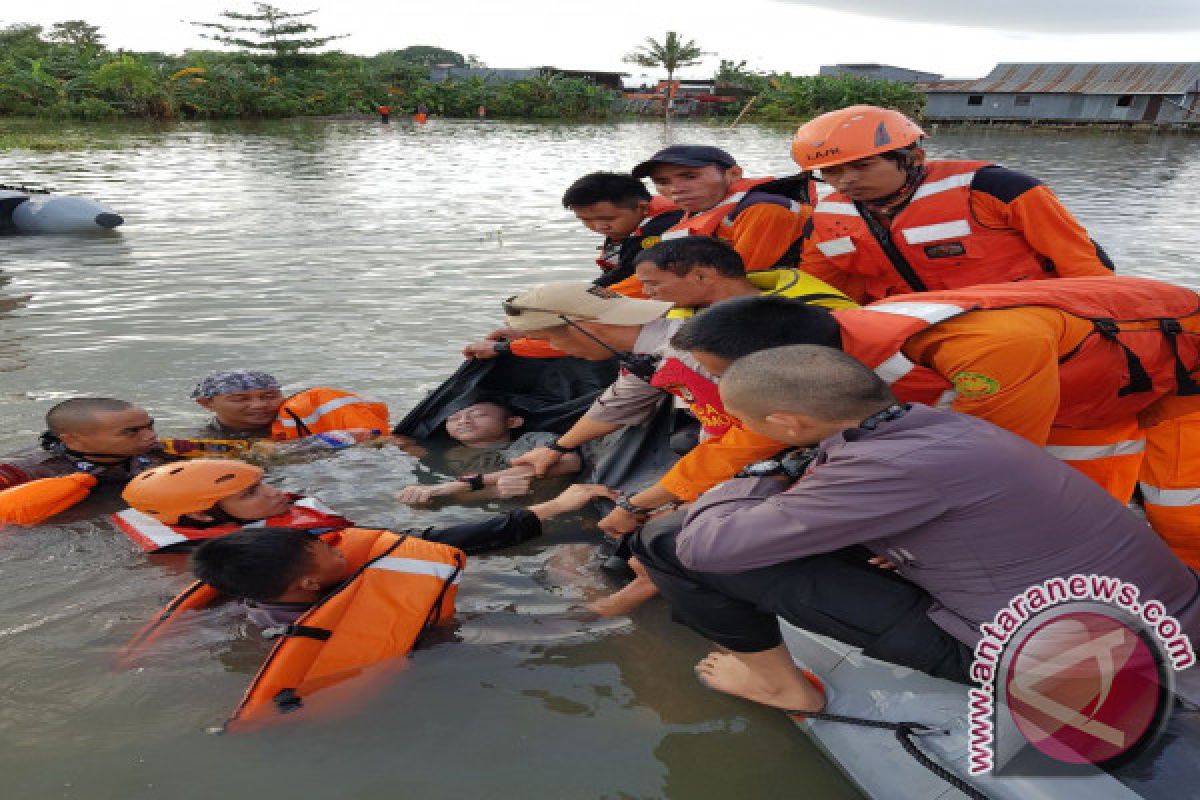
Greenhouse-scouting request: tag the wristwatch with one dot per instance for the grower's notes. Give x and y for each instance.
(502, 346)
(473, 479)
(558, 448)
(624, 503)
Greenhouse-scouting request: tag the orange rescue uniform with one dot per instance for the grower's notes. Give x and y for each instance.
(1020, 368)
(968, 223)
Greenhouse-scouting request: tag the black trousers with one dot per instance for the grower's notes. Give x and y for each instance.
(835, 594)
(494, 533)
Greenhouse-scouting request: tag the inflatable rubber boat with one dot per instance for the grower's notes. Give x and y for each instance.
(552, 393)
(24, 209)
(863, 688)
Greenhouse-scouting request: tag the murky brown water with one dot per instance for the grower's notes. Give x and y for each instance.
(351, 255)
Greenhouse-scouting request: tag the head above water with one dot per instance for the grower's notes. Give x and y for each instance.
(484, 424)
(612, 204)
(737, 327)
(270, 565)
(866, 152)
(242, 400)
(694, 177)
(801, 394)
(103, 427)
(205, 491)
(691, 271)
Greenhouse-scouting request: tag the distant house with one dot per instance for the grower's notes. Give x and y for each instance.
(444, 72)
(1153, 93)
(879, 72)
(688, 96)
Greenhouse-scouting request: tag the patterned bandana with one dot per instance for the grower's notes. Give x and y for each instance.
(230, 381)
(887, 207)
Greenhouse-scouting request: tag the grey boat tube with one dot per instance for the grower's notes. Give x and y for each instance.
(24, 210)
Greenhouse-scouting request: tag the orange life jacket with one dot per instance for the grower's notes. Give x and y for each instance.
(154, 536)
(936, 234)
(741, 197)
(1145, 344)
(698, 390)
(322, 410)
(196, 597)
(402, 587)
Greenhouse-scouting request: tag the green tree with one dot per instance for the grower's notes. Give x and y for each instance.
(671, 54)
(428, 56)
(77, 34)
(280, 33)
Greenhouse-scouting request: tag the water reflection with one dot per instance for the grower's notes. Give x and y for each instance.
(352, 255)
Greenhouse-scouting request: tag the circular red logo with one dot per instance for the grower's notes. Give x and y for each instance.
(1084, 688)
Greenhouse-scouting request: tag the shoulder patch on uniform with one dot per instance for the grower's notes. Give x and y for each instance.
(974, 384)
(650, 241)
(1002, 183)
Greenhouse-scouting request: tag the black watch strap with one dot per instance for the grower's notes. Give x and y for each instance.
(558, 448)
(473, 479)
(502, 346)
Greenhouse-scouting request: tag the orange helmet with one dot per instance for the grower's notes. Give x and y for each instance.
(848, 134)
(172, 490)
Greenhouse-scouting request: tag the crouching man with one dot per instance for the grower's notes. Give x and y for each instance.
(969, 514)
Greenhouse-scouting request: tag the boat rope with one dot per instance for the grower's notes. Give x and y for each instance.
(905, 734)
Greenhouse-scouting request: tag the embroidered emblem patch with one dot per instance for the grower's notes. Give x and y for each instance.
(945, 250)
(650, 241)
(972, 384)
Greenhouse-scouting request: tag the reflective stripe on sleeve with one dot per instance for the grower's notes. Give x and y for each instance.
(940, 230)
(895, 368)
(1064, 452)
(933, 313)
(679, 234)
(836, 247)
(417, 566)
(944, 185)
(323, 409)
(1175, 498)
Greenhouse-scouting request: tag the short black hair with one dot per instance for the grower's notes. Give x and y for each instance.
(618, 188)
(684, 254)
(70, 415)
(258, 564)
(740, 326)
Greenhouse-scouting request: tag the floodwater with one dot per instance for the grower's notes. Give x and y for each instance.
(359, 256)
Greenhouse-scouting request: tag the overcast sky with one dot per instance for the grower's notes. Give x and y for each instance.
(958, 38)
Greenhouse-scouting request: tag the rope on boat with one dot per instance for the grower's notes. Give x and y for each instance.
(906, 733)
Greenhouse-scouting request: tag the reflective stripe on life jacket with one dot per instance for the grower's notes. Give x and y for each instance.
(742, 196)
(196, 597)
(936, 234)
(154, 536)
(401, 587)
(1144, 345)
(322, 410)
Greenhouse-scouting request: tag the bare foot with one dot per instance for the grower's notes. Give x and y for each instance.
(619, 603)
(769, 678)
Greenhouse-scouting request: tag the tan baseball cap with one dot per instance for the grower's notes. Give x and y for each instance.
(546, 306)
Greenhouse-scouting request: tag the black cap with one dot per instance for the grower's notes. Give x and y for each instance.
(685, 155)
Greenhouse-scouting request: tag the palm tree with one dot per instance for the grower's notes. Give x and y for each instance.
(670, 54)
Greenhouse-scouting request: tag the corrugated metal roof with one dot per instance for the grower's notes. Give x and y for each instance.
(1127, 78)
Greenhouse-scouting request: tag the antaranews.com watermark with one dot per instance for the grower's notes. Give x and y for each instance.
(1082, 685)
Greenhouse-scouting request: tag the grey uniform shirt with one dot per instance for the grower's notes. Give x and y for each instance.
(631, 400)
(970, 512)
